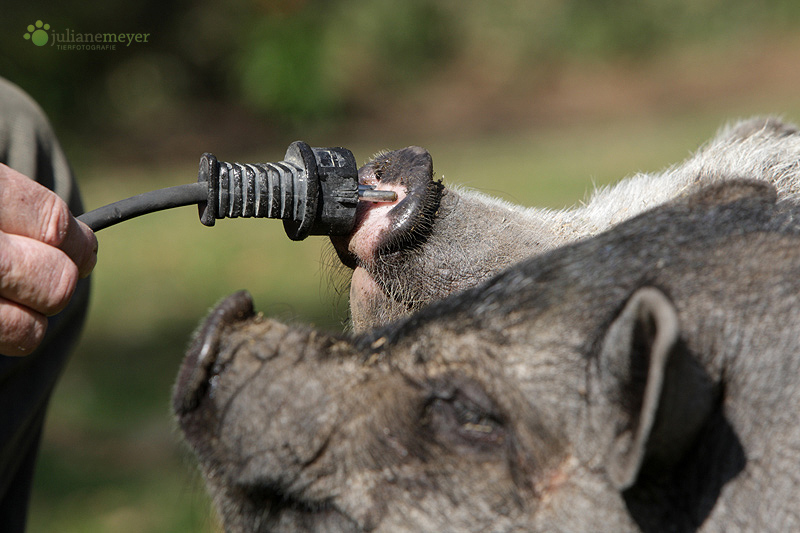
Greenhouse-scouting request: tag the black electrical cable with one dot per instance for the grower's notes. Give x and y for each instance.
(314, 191)
(149, 202)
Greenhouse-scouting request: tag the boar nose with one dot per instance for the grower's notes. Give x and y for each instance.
(385, 228)
(412, 170)
(201, 356)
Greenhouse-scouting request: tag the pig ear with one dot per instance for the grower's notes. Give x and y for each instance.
(661, 390)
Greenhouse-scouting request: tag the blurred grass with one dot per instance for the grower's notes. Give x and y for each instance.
(111, 458)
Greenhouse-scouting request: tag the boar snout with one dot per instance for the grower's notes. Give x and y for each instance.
(387, 236)
(201, 357)
(389, 227)
(256, 401)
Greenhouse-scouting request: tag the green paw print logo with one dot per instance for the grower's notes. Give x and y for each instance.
(37, 33)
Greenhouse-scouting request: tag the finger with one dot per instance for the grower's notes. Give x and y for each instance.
(35, 275)
(28, 208)
(80, 245)
(21, 329)
(31, 210)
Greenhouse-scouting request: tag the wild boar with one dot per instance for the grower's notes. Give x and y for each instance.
(644, 379)
(435, 241)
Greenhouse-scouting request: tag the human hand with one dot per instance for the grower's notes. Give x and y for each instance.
(44, 250)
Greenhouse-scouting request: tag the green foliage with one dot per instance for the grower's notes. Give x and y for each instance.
(280, 67)
(304, 61)
(408, 38)
(307, 65)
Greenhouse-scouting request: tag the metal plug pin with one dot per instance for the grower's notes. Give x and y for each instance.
(368, 193)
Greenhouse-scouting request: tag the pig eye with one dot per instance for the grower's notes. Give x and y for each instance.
(457, 420)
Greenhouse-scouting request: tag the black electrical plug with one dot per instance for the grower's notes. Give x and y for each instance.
(314, 191)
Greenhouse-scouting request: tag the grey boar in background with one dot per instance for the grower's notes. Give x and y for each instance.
(644, 379)
(436, 241)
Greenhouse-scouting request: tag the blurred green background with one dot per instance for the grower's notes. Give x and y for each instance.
(534, 101)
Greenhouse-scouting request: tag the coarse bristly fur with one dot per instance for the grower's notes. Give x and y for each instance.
(637, 377)
(644, 379)
(471, 236)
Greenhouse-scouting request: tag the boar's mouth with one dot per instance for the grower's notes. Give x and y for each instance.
(410, 220)
(281, 511)
(197, 368)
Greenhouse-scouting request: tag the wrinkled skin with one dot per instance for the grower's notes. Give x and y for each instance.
(435, 241)
(639, 379)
